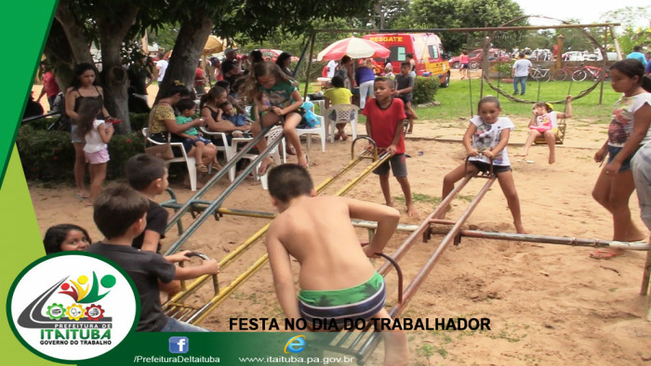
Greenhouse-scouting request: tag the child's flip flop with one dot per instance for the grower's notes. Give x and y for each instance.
(523, 160)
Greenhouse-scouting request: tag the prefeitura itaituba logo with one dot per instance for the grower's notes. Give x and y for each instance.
(72, 302)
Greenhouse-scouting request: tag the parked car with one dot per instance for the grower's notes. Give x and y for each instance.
(475, 58)
(578, 56)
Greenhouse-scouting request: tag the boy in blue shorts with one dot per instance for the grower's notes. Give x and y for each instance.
(384, 124)
(337, 280)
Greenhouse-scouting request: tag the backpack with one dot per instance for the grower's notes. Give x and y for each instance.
(310, 119)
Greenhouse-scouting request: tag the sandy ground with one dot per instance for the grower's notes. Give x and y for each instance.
(547, 304)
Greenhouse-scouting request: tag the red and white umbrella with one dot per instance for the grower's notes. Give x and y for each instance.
(355, 48)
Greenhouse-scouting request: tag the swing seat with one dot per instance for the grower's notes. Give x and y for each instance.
(560, 135)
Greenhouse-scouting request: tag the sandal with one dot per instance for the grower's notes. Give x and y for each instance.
(307, 163)
(202, 168)
(605, 254)
(216, 166)
(290, 150)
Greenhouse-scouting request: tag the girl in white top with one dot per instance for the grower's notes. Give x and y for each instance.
(485, 140)
(544, 122)
(97, 134)
(628, 130)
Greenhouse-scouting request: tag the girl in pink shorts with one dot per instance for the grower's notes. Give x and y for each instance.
(544, 122)
(97, 134)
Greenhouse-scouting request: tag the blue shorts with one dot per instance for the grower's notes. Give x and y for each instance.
(188, 144)
(626, 164)
(398, 165)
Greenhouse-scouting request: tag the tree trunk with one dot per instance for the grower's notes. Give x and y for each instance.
(79, 44)
(112, 34)
(59, 55)
(187, 51)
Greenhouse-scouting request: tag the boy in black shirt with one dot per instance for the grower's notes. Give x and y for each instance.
(147, 174)
(120, 214)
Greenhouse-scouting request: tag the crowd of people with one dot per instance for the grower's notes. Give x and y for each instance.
(133, 224)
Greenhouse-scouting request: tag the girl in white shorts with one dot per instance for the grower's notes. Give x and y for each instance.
(97, 134)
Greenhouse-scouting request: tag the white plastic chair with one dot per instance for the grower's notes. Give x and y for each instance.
(188, 160)
(344, 113)
(319, 130)
(229, 153)
(275, 153)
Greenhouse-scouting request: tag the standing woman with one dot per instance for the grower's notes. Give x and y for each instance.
(82, 86)
(284, 61)
(628, 130)
(345, 70)
(365, 77)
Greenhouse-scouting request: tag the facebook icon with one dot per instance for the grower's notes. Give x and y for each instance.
(179, 345)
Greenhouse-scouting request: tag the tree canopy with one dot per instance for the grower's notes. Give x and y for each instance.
(114, 25)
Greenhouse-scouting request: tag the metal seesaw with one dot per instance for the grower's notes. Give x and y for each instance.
(365, 342)
(176, 307)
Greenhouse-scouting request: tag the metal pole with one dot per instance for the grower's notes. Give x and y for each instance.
(228, 259)
(367, 348)
(562, 240)
(223, 294)
(222, 197)
(406, 245)
(309, 65)
(230, 164)
(462, 30)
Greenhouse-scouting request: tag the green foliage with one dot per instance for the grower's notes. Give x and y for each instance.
(164, 36)
(50, 155)
(45, 155)
(138, 121)
(468, 13)
(425, 89)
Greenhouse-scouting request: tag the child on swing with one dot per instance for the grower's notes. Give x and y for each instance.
(267, 79)
(485, 140)
(544, 122)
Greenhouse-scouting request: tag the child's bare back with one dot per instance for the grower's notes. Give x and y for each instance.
(317, 232)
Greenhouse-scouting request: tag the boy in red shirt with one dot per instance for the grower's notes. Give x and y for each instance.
(385, 117)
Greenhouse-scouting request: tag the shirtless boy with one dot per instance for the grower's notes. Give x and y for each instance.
(333, 264)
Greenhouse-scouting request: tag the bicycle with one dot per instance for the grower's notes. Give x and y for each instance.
(539, 74)
(582, 73)
(564, 73)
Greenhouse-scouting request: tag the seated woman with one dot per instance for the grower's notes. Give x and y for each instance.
(338, 94)
(544, 122)
(211, 112)
(162, 123)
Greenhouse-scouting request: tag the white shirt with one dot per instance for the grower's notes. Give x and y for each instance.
(522, 67)
(488, 136)
(161, 65)
(332, 65)
(622, 121)
(94, 141)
